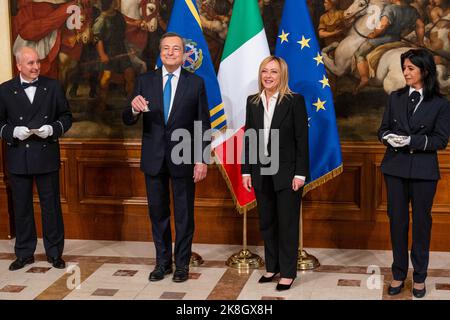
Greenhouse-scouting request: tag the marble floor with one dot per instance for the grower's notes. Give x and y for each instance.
(107, 270)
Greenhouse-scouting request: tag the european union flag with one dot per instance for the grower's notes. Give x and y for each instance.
(297, 44)
(185, 21)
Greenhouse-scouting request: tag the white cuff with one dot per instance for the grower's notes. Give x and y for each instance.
(62, 127)
(134, 112)
(300, 177)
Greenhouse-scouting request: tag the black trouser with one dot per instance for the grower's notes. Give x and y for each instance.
(52, 221)
(400, 192)
(183, 191)
(279, 213)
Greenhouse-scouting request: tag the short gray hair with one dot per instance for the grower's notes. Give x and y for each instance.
(170, 35)
(19, 52)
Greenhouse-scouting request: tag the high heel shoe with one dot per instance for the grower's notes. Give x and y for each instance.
(282, 287)
(392, 291)
(265, 279)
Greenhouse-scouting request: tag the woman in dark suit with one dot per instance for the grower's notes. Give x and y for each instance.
(276, 119)
(415, 125)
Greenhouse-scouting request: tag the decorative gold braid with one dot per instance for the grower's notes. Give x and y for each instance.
(239, 208)
(326, 177)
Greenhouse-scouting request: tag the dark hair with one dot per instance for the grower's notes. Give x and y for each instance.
(106, 4)
(170, 35)
(423, 59)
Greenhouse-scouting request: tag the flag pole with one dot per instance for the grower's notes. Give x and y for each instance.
(245, 259)
(305, 261)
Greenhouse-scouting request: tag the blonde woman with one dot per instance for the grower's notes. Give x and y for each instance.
(276, 111)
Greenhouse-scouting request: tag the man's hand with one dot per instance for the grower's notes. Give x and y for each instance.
(21, 133)
(247, 183)
(297, 184)
(139, 104)
(200, 170)
(44, 131)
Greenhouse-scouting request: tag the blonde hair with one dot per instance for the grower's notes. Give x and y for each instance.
(283, 86)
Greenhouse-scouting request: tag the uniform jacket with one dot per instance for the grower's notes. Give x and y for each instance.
(429, 129)
(33, 155)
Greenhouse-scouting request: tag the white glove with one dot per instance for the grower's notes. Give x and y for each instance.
(390, 136)
(400, 141)
(21, 133)
(44, 131)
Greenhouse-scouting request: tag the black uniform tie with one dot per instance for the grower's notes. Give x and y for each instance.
(413, 100)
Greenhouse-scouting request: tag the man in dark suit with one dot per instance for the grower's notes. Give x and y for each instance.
(34, 113)
(170, 100)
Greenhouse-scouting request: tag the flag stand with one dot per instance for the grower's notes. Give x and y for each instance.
(305, 261)
(245, 259)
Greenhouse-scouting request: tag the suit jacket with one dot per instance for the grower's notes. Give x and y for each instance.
(429, 129)
(189, 105)
(33, 155)
(291, 119)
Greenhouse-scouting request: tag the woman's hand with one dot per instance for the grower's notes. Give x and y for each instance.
(297, 184)
(247, 183)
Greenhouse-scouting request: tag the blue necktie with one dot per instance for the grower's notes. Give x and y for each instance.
(167, 96)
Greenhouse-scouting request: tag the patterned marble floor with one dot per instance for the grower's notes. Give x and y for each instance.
(109, 270)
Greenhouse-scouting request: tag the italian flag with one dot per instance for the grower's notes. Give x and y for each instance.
(245, 47)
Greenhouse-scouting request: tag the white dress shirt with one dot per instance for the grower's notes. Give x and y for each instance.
(411, 90)
(269, 109)
(31, 90)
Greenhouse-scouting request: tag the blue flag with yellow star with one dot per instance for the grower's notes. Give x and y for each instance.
(297, 44)
(185, 21)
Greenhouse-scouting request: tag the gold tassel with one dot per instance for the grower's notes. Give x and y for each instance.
(239, 208)
(318, 182)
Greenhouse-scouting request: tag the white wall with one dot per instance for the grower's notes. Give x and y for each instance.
(5, 42)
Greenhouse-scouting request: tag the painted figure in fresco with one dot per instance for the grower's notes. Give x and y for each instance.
(39, 25)
(215, 17)
(437, 10)
(77, 55)
(395, 19)
(146, 22)
(109, 34)
(383, 69)
(331, 25)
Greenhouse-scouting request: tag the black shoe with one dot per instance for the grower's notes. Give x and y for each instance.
(181, 274)
(265, 279)
(57, 262)
(159, 272)
(282, 287)
(19, 263)
(392, 291)
(419, 293)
